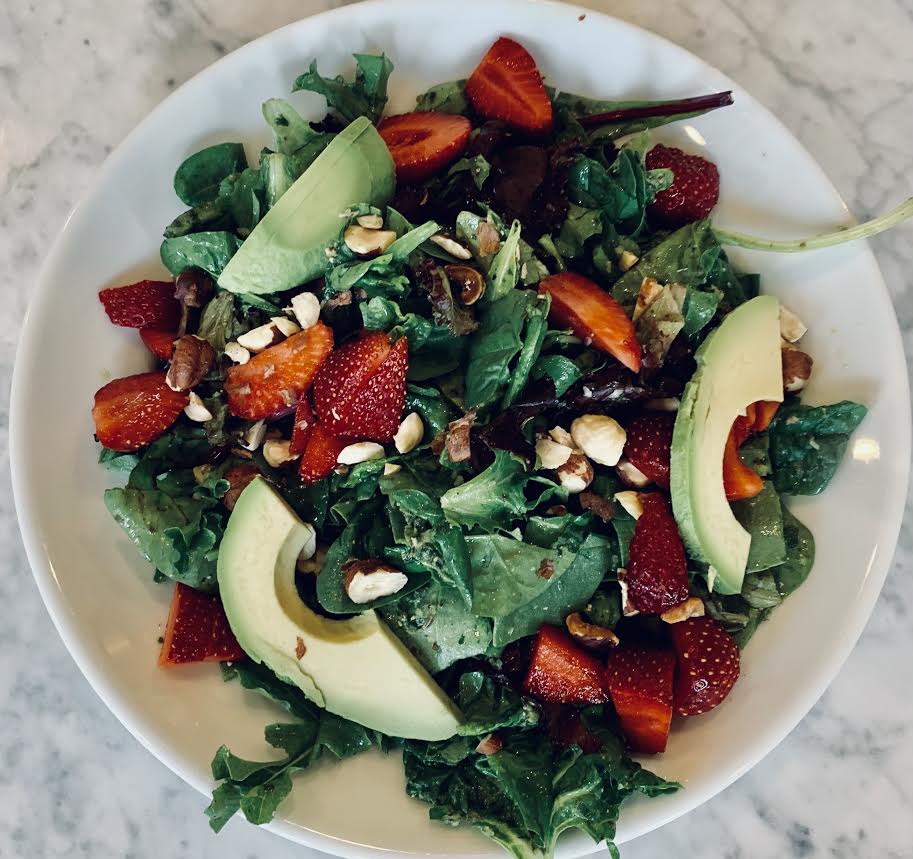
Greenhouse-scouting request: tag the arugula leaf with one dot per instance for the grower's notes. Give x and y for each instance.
(762, 518)
(808, 442)
(209, 251)
(197, 178)
(218, 323)
(365, 96)
(117, 461)
(447, 97)
(292, 132)
(487, 705)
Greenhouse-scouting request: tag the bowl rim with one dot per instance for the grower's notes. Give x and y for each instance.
(138, 723)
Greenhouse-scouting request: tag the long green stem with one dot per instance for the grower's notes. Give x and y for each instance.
(824, 240)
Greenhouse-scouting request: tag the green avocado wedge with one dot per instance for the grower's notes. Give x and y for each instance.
(356, 668)
(287, 247)
(738, 364)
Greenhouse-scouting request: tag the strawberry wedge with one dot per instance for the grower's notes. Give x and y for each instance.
(130, 413)
(593, 315)
(648, 445)
(146, 304)
(563, 673)
(160, 342)
(708, 665)
(506, 85)
(197, 630)
(302, 427)
(320, 453)
(424, 143)
(276, 379)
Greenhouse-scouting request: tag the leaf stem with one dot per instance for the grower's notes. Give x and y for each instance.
(667, 108)
(823, 240)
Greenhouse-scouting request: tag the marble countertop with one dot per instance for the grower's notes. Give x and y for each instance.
(75, 77)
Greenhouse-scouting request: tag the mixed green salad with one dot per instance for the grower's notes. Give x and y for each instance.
(467, 442)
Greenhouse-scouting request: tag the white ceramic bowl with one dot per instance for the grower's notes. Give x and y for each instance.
(100, 592)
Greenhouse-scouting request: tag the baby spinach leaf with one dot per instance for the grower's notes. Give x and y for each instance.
(808, 442)
(800, 554)
(762, 518)
(488, 705)
(197, 179)
(365, 96)
(209, 251)
(699, 308)
(431, 406)
(447, 97)
(562, 371)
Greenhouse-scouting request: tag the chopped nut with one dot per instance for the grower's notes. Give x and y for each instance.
(458, 437)
(192, 360)
(193, 287)
(792, 328)
(261, 337)
(285, 325)
(470, 281)
(663, 404)
(588, 634)
(391, 468)
(490, 745)
(341, 299)
(691, 607)
(562, 436)
(238, 476)
(370, 222)
(196, 409)
(630, 502)
(410, 433)
(711, 577)
(631, 475)
(313, 564)
(368, 580)
(546, 569)
(254, 436)
(627, 606)
(488, 238)
(551, 454)
(627, 260)
(601, 507)
(309, 549)
(365, 242)
(306, 307)
(556, 510)
(361, 451)
(454, 248)
(276, 452)
(237, 353)
(576, 474)
(600, 437)
(438, 443)
(650, 290)
(300, 648)
(797, 368)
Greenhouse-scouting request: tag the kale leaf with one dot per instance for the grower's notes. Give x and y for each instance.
(488, 705)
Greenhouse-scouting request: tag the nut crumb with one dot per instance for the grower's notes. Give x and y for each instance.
(300, 649)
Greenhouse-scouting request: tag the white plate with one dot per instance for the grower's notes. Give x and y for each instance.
(100, 592)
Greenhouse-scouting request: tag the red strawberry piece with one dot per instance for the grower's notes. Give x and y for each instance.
(640, 685)
(423, 143)
(146, 304)
(275, 380)
(649, 443)
(197, 630)
(739, 480)
(319, 457)
(695, 187)
(593, 315)
(160, 342)
(708, 665)
(566, 728)
(506, 85)
(563, 673)
(376, 409)
(131, 412)
(302, 427)
(657, 572)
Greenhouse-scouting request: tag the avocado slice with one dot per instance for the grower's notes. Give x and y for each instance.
(738, 364)
(355, 668)
(288, 246)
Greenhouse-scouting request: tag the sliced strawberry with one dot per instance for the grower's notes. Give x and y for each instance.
(424, 143)
(764, 414)
(197, 630)
(146, 304)
(563, 673)
(376, 410)
(319, 457)
(739, 480)
(694, 191)
(160, 342)
(708, 665)
(131, 412)
(649, 443)
(506, 85)
(640, 684)
(275, 380)
(302, 428)
(593, 315)
(657, 572)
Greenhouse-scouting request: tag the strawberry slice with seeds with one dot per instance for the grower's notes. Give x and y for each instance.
(640, 681)
(133, 411)
(649, 443)
(657, 572)
(694, 191)
(275, 380)
(593, 315)
(197, 630)
(376, 409)
(424, 143)
(560, 672)
(160, 342)
(506, 85)
(320, 454)
(146, 304)
(302, 427)
(708, 665)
